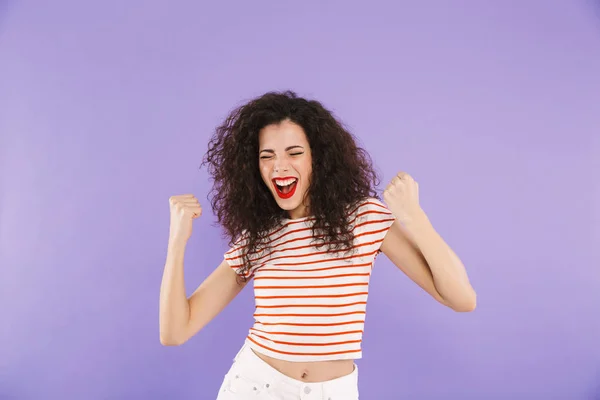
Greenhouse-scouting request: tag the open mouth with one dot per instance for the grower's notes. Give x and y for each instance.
(285, 187)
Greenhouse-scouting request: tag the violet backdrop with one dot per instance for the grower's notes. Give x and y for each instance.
(106, 109)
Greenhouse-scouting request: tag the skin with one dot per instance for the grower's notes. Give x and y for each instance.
(412, 244)
(284, 151)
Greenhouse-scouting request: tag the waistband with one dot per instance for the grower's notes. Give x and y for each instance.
(247, 356)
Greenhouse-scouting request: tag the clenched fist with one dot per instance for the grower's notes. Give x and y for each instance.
(402, 197)
(184, 209)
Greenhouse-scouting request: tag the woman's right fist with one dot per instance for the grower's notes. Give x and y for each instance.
(184, 209)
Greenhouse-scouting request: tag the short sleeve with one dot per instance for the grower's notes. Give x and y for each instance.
(235, 256)
(372, 221)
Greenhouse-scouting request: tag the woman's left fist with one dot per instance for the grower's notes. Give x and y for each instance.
(402, 197)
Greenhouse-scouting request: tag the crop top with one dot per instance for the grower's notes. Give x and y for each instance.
(311, 303)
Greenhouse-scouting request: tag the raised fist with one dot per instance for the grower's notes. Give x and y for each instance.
(184, 209)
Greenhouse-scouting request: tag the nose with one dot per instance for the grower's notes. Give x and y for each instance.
(281, 164)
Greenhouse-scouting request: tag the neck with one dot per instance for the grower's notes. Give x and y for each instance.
(300, 212)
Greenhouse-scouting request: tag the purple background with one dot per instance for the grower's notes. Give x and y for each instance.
(105, 111)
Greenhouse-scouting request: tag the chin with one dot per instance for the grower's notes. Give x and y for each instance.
(287, 204)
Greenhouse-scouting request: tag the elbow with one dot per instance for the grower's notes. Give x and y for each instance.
(466, 307)
(467, 303)
(169, 339)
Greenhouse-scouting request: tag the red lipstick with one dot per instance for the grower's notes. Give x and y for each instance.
(285, 191)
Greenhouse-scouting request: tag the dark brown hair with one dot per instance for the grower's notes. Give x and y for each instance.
(342, 173)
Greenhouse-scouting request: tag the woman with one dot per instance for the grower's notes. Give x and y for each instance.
(297, 198)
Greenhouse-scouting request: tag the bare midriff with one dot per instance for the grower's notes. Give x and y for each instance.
(319, 371)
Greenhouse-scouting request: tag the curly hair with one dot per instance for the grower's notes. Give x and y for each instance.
(342, 173)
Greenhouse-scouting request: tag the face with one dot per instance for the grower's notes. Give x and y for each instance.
(285, 163)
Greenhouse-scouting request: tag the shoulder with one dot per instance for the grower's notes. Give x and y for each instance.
(371, 214)
(371, 220)
(370, 208)
(237, 246)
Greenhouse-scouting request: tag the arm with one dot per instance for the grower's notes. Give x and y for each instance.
(420, 252)
(182, 317)
(415, 247)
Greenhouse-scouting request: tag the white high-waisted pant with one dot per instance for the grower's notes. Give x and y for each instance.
(251, 378)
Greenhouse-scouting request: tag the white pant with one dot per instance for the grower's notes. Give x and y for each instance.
(252, 378)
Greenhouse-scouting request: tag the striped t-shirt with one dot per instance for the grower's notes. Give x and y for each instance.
(311, 303)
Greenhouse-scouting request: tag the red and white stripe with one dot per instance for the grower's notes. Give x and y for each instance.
(311, 303)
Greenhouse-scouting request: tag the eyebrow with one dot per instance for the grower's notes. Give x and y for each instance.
(286, 149)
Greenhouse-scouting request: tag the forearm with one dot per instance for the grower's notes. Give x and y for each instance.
(174, 312)
(449, 274)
